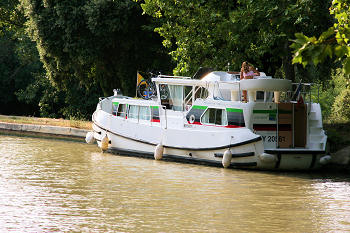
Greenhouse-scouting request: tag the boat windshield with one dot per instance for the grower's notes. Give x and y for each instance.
(173, 96)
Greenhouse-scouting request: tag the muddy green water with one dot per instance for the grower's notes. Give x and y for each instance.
(51, 185)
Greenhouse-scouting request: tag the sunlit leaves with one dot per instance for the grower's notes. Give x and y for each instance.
(213, 33)
(347, 65)
(333, 43)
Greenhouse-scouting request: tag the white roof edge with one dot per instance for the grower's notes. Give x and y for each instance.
(191, 82)
(177, 81)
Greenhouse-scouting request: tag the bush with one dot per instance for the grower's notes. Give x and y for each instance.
(341, 106)
(329, 92)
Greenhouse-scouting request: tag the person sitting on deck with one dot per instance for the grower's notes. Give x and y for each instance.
(248, 72)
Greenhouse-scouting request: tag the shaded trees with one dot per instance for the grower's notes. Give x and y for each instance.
(18, 60)
(98, 42)
(87, 48)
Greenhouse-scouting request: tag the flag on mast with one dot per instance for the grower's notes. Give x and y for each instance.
(139, 79)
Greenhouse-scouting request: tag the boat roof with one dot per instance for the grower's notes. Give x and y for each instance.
(214, 76)
(128, 100)
(224, 79)
(228, 80)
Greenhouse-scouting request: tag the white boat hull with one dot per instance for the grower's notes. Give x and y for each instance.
(249, 154)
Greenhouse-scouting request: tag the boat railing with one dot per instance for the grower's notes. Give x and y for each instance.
(306, 92)
(190, 97)
(105, 103)
(171, 76)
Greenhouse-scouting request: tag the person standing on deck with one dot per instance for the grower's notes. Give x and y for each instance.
(247, 72)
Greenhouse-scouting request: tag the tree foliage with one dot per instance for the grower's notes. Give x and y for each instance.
(89, 47)
(18, 60)
(98, 42)
(11, 17)
(341, 105)
(333, 43)
(213, 33)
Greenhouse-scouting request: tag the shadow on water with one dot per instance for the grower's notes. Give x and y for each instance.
(327, 174)
(12, 133)
(332, 173)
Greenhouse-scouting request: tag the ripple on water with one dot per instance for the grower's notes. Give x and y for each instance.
(51, 185)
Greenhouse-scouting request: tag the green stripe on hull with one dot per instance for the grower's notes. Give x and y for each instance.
(199, 107)
(234, 110)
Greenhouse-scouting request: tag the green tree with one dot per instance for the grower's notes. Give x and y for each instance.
(18, 60)
(11, 17)
(341, 106)
(213, 33)
(99, 42)
(24, 86)
(76, 102)
(333, 43)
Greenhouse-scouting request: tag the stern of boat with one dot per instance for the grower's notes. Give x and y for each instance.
(292, 133)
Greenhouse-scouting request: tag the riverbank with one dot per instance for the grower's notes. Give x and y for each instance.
(44, 127)
(46, 121)
(338, 135)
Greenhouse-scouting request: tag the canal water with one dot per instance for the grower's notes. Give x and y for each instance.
(50, 185)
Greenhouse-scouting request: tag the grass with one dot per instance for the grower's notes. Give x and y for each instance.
(47, 121)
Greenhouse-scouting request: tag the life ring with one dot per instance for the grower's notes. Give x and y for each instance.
(192, 119)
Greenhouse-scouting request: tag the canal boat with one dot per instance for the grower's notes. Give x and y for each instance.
(203, 119)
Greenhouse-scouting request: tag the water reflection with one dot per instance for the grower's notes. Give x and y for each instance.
(50, 185)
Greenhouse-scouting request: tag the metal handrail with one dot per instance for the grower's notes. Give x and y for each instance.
(306, 90)
(189, 96)
(170, 76)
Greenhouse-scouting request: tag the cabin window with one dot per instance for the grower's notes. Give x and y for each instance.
(121, 110)
(155, 114)
(139, 112)
(173, 96)
(114, 108)
(144, 113)
(214, 116)
(133, 112)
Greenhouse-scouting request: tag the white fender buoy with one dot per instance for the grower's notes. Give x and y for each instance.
(104, 143)
(325, 159)
(89, 138)
(267, 158)
(226, 159)
(158, 152)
